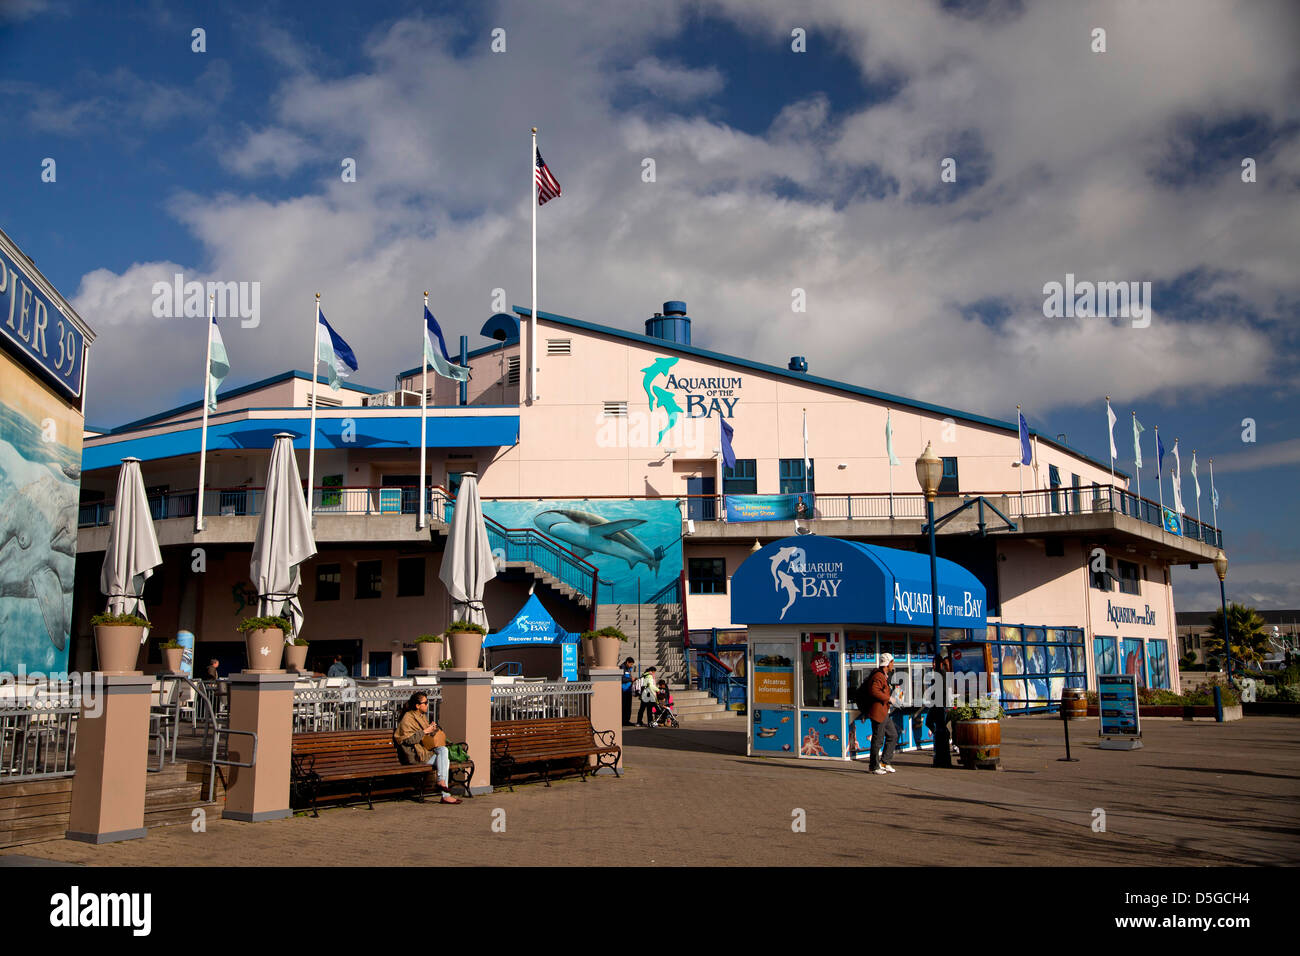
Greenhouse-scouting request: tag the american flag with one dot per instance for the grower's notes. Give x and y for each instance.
(547, 186)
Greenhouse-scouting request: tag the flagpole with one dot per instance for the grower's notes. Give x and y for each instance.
(1214, 498)
(805, 451)
(1110, 430)
(532, 316)
(889, 459)
(311, 445)
(1135, 464)
(424, 400)
(1160, 476)
(1196, 479)
(203, 442)
(1020, 472)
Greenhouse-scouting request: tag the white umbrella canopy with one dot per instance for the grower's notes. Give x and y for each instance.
(132, 551)
(467, 564)
(284, 540)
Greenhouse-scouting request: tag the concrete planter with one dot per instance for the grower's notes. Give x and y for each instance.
(295, 657)
(588, 651)
(265, 647)
(466, 646)
(117, 647)
(172, 659)
(429, 654)
(607, 651)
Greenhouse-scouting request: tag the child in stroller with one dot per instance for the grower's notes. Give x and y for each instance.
(662, 713)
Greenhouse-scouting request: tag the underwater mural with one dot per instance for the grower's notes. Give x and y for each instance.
(40, 481)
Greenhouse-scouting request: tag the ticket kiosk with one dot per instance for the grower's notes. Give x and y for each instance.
(820, 611)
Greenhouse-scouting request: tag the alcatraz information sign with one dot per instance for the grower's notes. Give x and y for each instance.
(36, 326)
(1117, 705)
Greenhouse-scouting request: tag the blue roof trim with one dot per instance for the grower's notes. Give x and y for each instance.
(367, 412)
(479, 431)
(806, 379)
(242, 390)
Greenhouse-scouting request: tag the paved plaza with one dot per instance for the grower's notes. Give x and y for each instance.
(1197, 794)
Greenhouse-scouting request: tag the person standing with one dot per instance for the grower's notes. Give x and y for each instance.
(874, 699)
(937, 717)
(649, 692)
(629, 677)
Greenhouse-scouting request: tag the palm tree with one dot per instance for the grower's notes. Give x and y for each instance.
(1248, 630)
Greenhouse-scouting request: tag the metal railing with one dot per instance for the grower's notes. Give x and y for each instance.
(354, 707)
(528, 700)
(38, 740)
(717, 678)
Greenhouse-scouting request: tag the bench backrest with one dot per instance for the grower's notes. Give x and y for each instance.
(554, 733)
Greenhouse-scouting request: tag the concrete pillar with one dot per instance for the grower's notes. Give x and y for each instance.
(465, 713)
(263, 704)
(112, 760)
(606, 702)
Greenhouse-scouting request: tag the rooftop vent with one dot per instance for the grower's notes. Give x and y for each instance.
(673, 325)
(798, 363)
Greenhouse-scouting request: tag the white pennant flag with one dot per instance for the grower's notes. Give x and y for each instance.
(1110, 416)
(1196, 480)
(1177, 475)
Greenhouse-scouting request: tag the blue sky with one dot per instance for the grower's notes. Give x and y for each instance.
(775, 170)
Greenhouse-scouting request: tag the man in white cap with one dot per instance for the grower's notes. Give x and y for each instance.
(874, 701)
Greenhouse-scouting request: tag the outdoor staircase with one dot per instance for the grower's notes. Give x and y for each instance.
(654, 633)
(37, 810)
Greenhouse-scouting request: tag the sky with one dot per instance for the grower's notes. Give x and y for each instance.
(920, 170)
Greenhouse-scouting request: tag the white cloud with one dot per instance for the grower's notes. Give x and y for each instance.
(672, 81)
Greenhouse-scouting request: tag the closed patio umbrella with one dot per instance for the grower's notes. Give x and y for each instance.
(132, 551)
(467, 564)
(284, 540)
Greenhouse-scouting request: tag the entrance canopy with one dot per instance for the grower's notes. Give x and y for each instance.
(809, 579)
(532, 625)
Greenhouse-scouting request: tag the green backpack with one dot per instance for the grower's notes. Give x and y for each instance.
(457, 753)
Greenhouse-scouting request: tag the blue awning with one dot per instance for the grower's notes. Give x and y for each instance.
(363, 431)
(532, 625)
(809, 579)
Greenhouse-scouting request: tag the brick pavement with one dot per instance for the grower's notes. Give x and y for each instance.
(1197, 794)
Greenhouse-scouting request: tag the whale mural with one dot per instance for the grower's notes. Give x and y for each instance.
(40, 474)
(635, 545)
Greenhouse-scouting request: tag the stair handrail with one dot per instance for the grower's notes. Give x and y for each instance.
(717, 678)
(214, 727)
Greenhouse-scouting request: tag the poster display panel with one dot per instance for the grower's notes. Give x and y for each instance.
(1117, 705)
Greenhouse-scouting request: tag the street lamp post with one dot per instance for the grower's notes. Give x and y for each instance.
(1221, 569)
(929, 472)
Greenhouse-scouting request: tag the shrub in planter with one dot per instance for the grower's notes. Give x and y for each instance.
(295, 655)
(265, 639)
(607, 645)
(466, 644)
(117, 641)
(429, 650)
(172, 653)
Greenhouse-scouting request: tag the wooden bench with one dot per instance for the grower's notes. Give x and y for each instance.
(556, 740)
(361, 759)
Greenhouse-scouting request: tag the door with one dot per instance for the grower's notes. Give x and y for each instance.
(699, 507)
(773, 694)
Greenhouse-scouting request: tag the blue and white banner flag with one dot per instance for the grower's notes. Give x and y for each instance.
(1138, 429)
(438, 357)
(218, 364)
(1026, 452)
(728, 434)
(889, 437)
(334, 352)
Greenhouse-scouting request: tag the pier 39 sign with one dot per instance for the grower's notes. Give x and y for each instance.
(40, 330)
(809, 579)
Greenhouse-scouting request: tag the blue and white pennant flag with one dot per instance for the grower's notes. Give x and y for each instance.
(334, 352)
(438, 358)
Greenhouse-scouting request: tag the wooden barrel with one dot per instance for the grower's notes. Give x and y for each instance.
(1074, 703)
(980, 742)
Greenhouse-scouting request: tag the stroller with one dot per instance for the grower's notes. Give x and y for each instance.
(661, 711)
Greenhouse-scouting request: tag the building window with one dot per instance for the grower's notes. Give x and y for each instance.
(410, 577)
(1104, 580)
(1096, 497)
(948, 484)
(1129, 579)
(1077, 495)
(1054, 479)
(370, 579)
(792, 478)
(329, 581)
(742, 479)
(707, 575)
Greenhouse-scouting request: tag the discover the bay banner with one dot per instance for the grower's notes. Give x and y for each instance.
(768, 507)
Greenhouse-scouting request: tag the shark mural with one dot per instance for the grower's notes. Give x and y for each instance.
(635, 545)
(39, 488)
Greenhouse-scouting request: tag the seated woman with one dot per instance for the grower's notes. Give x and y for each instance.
(408, 737)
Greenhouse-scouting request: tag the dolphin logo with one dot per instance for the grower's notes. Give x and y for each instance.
(659, 366)
(669, 401)
(38, 539)
(585, 533)
(657, 397)
(793, 557)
